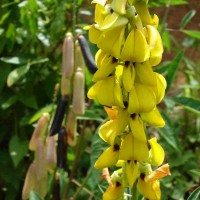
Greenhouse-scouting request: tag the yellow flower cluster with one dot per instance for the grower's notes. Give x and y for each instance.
(129, 46)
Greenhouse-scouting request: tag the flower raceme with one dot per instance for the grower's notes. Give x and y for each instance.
(125, 83)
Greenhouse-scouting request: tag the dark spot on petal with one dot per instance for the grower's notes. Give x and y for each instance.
(148, 145)
(116, 147)
(135, 161)
(128, 161)
(114, 60)
(111, 10)
(142, 176)
(118, 184)
(125, 104)
(127, 63)
(133, 116)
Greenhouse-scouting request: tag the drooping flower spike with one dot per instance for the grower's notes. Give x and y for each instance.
(125, 83)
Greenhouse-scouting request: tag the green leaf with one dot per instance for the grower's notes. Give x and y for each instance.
(34, 196)
(4, 71)
(14, 60)
(39, 60)
(187, 18)
(173, 69)
(169, 135)
(166, 3)
(195, 171)
(195, 194)
(10, 102)
(192, 33)
(17, 74)
(166, 40)
(64, 180)
(189, 103)
(29, 100)
(40, 112)
(17, 149)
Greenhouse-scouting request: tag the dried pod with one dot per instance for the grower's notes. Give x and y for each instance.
(78, 101)
(51, 157)
(68, 56)
(71, 127)
(40, 160)
(30, 181)
(59, 115)
(65, 86)
(39, 131)
(62, 149)
(87, 55)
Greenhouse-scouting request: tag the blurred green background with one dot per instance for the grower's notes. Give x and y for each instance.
(31, 37)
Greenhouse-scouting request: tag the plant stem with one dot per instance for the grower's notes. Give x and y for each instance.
(78, 150)
(134, 192)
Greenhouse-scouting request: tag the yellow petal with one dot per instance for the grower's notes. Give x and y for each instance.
(137, 128)
(141, 99)
(128, 76)
(122, 120)
(112, 21)
(99, 13)
(135, 47)
(156, 152)
(108, 158)
(107, 132)
(153, 118)
(159, 173)
(101, 2)
(150, 190)
(133, 149)
(103, 91)
(94, 34)
(114, 192)
(161, 86)
(106, 67)
(132, 172)
(119, 6)
(145, 74)
(111, 41)
(111, 112)
(157, 51)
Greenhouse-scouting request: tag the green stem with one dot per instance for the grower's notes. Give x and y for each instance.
(134, 192)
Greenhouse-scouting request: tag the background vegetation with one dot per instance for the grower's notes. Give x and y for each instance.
(31, 36)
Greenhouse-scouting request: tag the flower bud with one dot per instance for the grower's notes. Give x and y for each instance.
(79, 61)
(51, 157)
(65, 86)
(39, 131)
(71, 127)
(40, 159)
(78, 101)
(68, 56)
(30, 181)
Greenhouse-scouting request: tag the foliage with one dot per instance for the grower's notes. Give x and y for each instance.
(32, 33)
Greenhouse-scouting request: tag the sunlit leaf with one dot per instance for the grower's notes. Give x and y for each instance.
(17, 74)
(195, 194)
(192, 33)
(14, 60)
(34, 196)
(173, 67)
(186, 19)
(195, 171)
(189, 103)
(17, 149)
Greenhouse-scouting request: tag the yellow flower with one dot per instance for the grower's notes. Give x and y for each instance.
(156, 152)
(153, 118)
(133, 149)
(108, 158)
(114, 192)
(132, 172)
(135, 48)
(149, 189)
